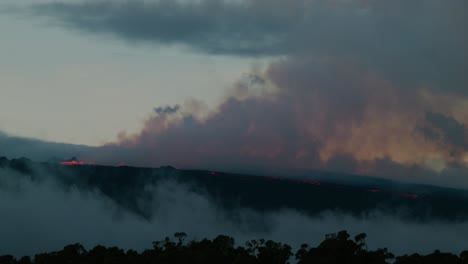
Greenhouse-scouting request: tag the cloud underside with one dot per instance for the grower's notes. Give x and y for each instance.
(419, 41)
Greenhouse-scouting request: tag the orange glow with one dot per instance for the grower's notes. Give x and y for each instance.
(311, 182)
(75, 163)
(409, 195)
(122, 164)
(72, 163)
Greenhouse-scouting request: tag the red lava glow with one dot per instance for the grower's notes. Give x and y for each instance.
(72, 163)
(122, 164)
(76, 163)
(375, 191)
(213, 173)
(409, 195)
(311, 182)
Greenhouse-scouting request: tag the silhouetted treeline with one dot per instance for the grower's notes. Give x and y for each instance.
(337, 248)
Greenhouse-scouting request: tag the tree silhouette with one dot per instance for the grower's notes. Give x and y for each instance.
(339, 248)
(336, 248)
(434, 258)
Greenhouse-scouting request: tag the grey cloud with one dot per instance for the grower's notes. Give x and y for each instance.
(242, 134)
(38, 150)
(451, 131)
(211, 26)
(324, 114)
(422, 41)
(349, 91)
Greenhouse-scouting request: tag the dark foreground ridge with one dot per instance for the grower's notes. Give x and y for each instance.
(127, 187)
(337, 248)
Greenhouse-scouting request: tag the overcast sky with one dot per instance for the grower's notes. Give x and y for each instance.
(61, 85)
(372, 87)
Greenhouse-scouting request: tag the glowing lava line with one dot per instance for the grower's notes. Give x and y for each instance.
(72, 163)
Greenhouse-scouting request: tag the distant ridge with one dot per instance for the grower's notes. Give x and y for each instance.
(310, 194)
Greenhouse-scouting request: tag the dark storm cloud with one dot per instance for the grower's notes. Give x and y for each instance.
(447, 130)
(211, 26)
(421, 41)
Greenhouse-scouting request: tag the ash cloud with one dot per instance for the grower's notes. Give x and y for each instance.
(39, 214)
(374, 88)
(308, 113)
(446, 130)
(317, 114)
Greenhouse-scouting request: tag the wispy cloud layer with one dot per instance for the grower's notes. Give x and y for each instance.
(42, 215)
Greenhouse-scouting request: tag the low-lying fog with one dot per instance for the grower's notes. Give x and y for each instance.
(42, 215)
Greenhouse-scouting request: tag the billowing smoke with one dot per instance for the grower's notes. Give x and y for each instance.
(310, 113)
(369, 87)
(39, 213)
(447, 132)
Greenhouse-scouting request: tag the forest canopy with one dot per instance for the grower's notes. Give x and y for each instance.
(338, 247)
